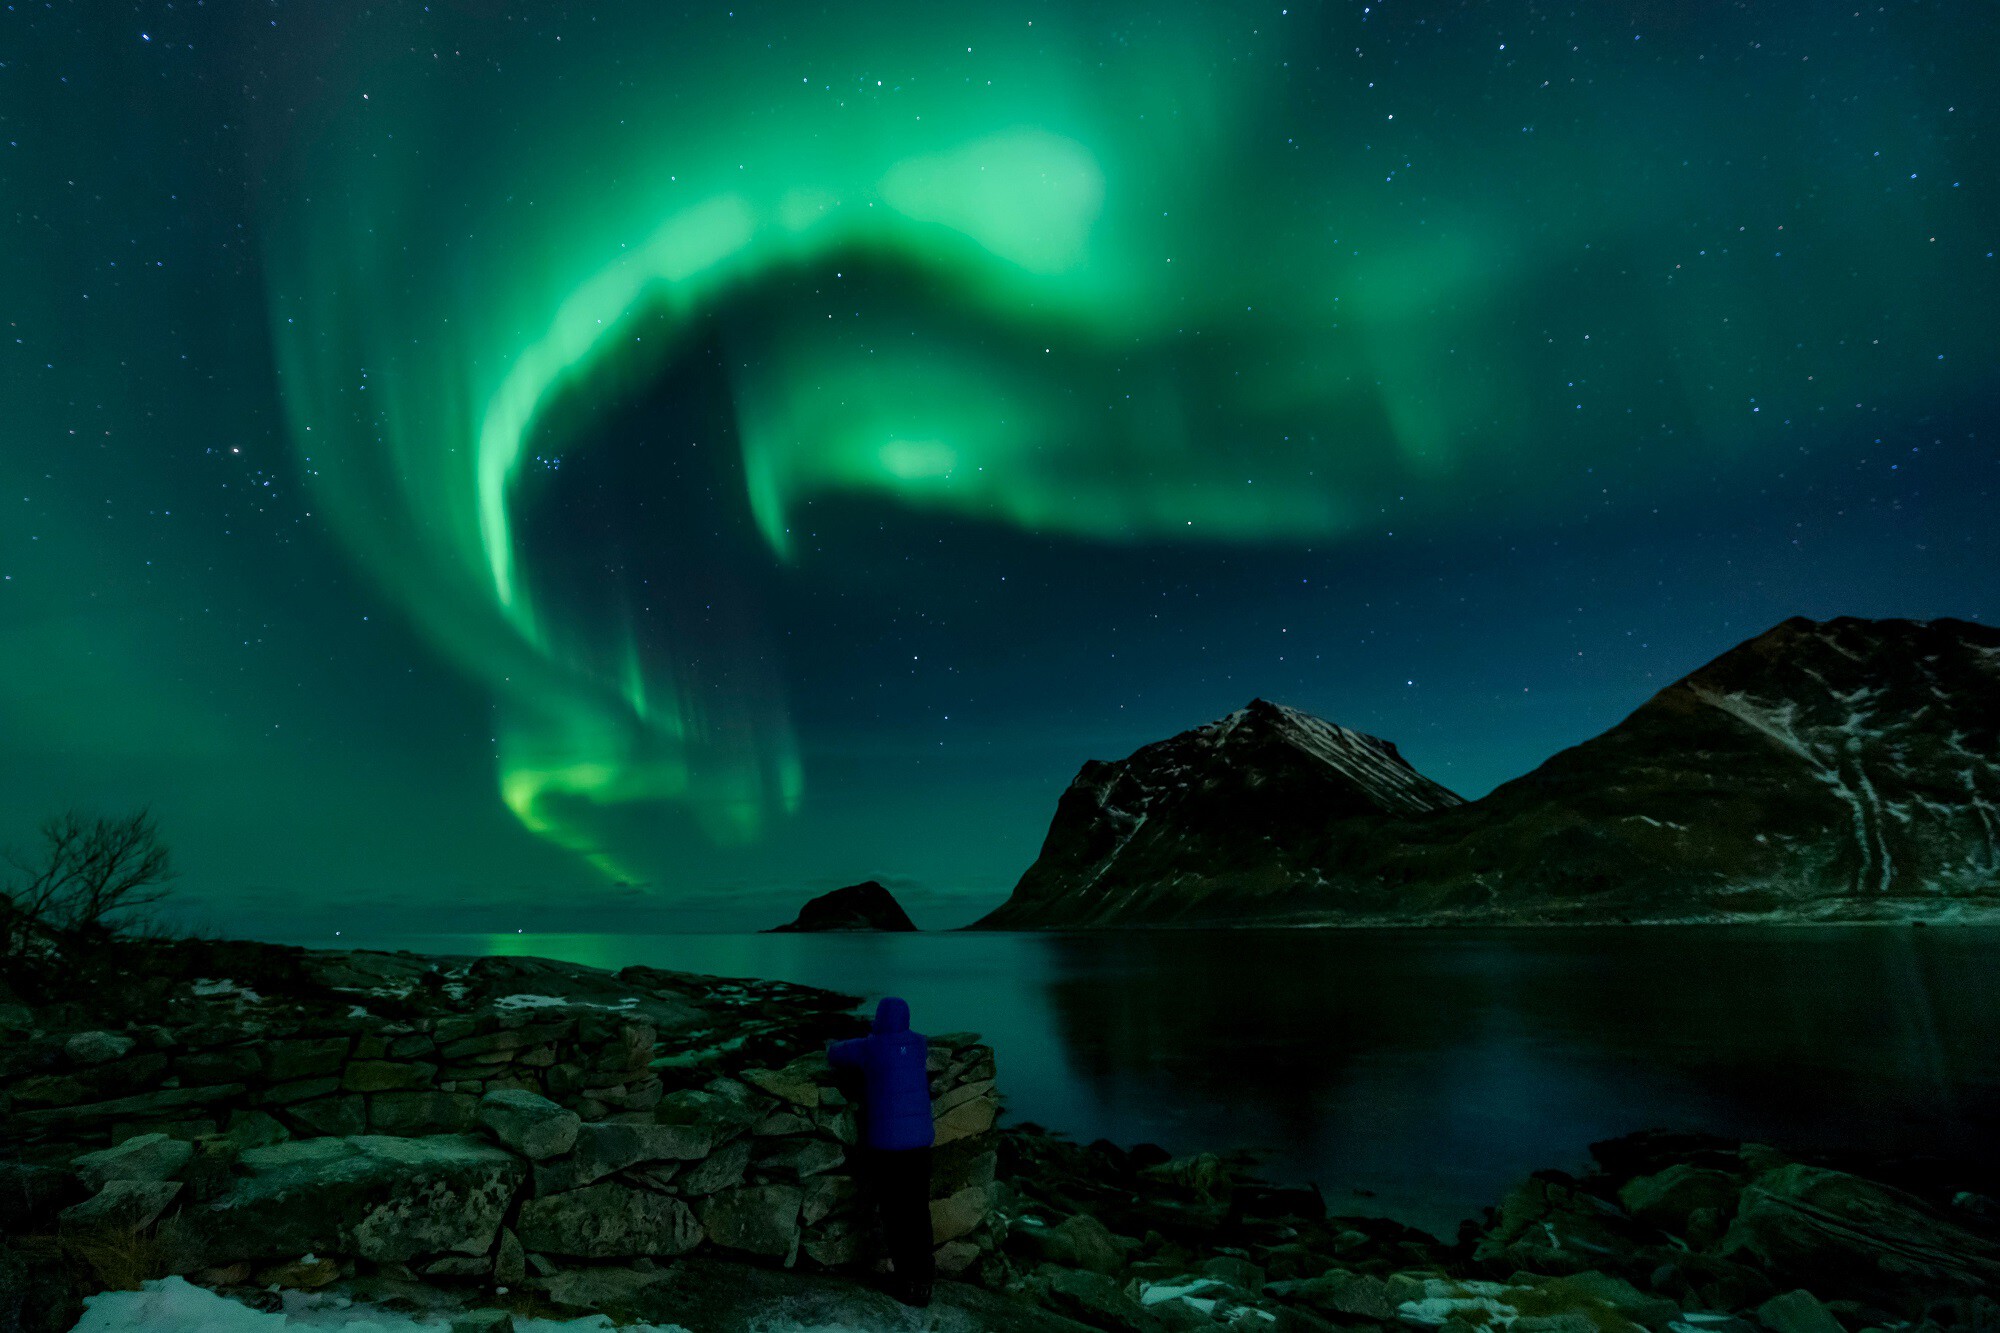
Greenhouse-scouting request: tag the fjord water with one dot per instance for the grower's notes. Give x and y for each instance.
(1432, 1069)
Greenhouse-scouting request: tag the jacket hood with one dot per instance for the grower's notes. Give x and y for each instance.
(892, 1015)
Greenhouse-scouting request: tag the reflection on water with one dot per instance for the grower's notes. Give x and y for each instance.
(1433, 1068)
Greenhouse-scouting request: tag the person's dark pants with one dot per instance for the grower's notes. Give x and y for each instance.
(900, 1180)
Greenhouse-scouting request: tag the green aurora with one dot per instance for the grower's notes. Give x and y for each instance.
(1195, 276)
(770, 446)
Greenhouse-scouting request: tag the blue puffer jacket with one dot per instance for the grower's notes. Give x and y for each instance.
(896, 1108)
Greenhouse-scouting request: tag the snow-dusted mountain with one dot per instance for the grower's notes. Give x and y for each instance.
(1146, 837)
(1838, 770)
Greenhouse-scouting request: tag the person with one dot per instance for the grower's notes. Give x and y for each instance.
(896, 1137)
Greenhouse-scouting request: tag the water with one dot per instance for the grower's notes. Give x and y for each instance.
(1430, 1069)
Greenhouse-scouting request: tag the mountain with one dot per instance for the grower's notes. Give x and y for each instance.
(1838, 770)
(1220, 810)
(864, 906)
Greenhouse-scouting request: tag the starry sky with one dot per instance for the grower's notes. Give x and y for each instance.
(470, 467)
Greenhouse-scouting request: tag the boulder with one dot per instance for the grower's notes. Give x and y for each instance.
(608, 1221)
(125, 1204)
(1548, 1226)
(960, 1214)
(1844, 1236)
(1076, 1242)
(383, 1198)
(761, 1219)
(1339, 1292)
(1095, 1299)
(529, 1123)
(1797, 1312)
(95, 1048)
(1667, 1199)
(1593, 1295)
(147, 1157)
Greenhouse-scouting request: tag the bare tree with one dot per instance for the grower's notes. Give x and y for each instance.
(90, 876)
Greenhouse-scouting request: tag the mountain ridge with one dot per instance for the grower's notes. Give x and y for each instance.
(1839, 770)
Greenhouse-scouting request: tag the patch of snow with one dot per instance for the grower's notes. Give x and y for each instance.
(559, 1002)
(358, 1011)
(175, 1305)
(216, 987)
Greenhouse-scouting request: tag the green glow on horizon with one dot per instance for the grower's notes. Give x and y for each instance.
(1133, 300)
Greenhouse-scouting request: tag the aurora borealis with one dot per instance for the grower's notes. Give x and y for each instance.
(540, 467)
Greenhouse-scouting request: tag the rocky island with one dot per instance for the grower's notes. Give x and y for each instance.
(1846, 770)
(864, 906)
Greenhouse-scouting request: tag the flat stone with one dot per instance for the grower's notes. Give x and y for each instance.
(510, 1259)
(147, 1157)
(459, 1265)
(825, 1195)
(125, 1204)
(299, 1090)
(382, 1198)
(386, 1075)
(966, 1119)
(794, 1083)
(339, 1115)
(955, 1256)
(1095, 1298)
(254, 1129)
(529, 1123)
(304, 1057)
(800, 1157)
(719, 1170)
(145, 1105)
(1076, 1242)
(422, 1113)
(782, 1122)
(721, 1115)
(964, 1092)
(232, 1064)
(506, 1040)
(599, 1288)
(834, 1245)
(300, 1274)
(114, 1078)
(608, 1221)
(94, 1048)
(962, 1213)
(759, 1219)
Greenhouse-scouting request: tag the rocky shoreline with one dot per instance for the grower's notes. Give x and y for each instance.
(478, 1141)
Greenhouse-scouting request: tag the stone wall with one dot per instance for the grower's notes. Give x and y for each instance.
(468, 1125)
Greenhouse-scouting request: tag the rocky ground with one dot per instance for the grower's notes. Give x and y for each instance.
(474, 1142)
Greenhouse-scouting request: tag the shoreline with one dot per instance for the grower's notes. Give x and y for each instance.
(704, 1179)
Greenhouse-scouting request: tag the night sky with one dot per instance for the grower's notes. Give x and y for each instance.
(632, 467)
